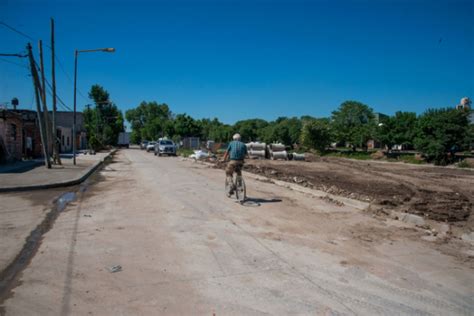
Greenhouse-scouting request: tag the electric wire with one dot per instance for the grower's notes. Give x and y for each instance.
(56, 58)
(16, 31)
(14, 63)
(50, 91)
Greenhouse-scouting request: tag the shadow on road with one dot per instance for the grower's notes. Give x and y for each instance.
(260, 201)
(20, 167)
(254, 202)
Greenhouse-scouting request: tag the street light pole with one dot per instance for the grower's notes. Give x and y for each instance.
(74, 114)
(76, 53)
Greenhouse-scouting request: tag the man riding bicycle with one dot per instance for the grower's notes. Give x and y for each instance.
(237, 151)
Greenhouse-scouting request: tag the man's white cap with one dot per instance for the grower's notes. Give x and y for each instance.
(236, 136)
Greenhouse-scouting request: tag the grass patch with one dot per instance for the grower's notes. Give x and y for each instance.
(411, 159)
(359, 155)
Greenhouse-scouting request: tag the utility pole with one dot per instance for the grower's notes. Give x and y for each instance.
(45, 105)
(34, 75)
(56, 157)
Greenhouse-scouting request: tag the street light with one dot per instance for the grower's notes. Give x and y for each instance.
(105, 50)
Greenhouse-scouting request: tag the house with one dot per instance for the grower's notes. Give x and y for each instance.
(32, 146)
(11, 136)
(64, 122)
(20, 135)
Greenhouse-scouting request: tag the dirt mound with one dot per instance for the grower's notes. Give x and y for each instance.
(440, 206)
(442, 194)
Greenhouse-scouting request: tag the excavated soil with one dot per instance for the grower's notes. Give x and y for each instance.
(439, 193)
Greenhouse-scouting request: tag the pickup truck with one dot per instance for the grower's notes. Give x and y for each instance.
(165, 147)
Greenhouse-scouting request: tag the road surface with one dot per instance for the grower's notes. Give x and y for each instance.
(185, 248)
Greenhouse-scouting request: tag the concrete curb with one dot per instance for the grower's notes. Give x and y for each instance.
(67, 183)
(360, 205)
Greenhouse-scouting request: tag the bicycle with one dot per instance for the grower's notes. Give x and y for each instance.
(237, 186)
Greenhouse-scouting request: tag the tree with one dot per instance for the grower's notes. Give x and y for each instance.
(186, 126)
(284, 130)
(316, 134)
(353, 123)
(398, 130)
(215, 130)
(104, 122)
(250, 130)
(439, 131)
(150, 120)
(289, 130)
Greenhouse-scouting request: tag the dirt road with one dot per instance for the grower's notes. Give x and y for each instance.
(185, 248)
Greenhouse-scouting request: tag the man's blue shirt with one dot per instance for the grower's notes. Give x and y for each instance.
(237, 150)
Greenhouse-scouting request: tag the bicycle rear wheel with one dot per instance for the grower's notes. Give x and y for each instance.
(240, 190)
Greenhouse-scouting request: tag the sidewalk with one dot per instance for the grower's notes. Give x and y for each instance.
(34, 175)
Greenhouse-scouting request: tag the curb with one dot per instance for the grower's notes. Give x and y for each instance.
(360, 205)
(59, 184)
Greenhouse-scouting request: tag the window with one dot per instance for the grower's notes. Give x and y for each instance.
(62, 140)
(67, 139)
(13, 131)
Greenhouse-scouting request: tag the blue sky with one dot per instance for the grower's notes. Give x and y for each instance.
(244, 59)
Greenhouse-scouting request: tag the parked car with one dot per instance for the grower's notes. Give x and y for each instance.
(143, 144)
(150, 146)
(165, 147)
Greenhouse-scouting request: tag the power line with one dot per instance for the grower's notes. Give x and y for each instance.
(23, 66)
(57, 96)
(16, 31)
(56, 58)
(14, 63)
(51, 89)
(66, 107)
(14, 55)
(69, 78)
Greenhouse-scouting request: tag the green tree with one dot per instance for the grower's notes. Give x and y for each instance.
(284, 130)
(399, 129)
(105, 121)
(214, 130)
(150, 120)
(440, 131)
(186, 126)
(316, 134)
(353, 123)
(91, 126)
(250, 130)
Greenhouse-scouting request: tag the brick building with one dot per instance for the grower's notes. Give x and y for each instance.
(11, 136)
(20, 135)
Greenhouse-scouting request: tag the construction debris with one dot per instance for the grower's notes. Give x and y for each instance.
(277, 151)
(116, 268)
